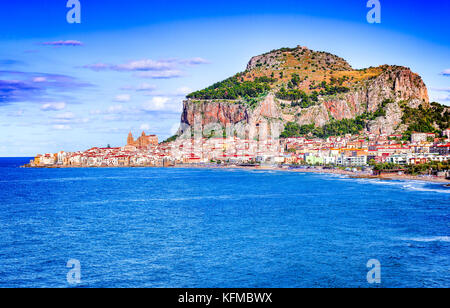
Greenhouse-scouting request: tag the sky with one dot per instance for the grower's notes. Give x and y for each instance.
(129, 64)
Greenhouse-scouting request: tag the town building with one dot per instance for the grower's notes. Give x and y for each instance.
(143, 141)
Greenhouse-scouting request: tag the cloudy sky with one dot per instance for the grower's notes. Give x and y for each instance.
(129, 64)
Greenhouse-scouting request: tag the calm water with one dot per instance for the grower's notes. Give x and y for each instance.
(218, 228)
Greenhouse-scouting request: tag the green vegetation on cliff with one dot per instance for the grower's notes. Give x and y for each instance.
(234, 88)
(434, 119)
(291, 95)
(170, 139)
(302, 99)
(334, 87)
(335, 127)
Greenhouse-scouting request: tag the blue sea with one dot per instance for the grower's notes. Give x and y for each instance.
(218, 228)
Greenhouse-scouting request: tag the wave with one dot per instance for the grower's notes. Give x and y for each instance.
(426, 187)
(409, 185)
(428, 239)
(190, 198)
(334, 175)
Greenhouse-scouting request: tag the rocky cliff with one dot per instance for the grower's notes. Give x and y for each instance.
(307, 87)
(395, 83)
(243, 120)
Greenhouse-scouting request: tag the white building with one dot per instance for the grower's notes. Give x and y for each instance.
(420, 137)
(399, 159)
(352, 160)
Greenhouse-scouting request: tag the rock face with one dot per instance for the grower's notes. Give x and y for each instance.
(367, 90)
(243, 120)
(213, 112)
(396, 83)
(276, 59)
(389, 124)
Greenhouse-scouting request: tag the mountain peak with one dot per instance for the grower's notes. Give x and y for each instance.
(307, 87)
(298, 58)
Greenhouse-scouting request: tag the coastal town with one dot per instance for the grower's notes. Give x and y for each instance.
(351, 152)
(296, 109)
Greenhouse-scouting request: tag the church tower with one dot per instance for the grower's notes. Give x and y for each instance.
(130, 139)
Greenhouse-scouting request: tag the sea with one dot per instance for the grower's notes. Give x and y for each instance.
(187, 228)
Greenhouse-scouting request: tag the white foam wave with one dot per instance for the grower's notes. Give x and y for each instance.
(410, 185)
(428, 239)
(419, 186)
(190, 198)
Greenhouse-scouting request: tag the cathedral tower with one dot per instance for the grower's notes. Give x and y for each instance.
(130, 139)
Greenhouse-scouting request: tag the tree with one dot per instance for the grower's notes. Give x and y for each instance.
(295, 79)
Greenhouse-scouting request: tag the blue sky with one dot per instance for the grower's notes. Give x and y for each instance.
(128, 65)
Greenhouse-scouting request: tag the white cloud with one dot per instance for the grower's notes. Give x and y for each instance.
(195, 61)
(158, 103)
(183, 91)
(115, 109)
(146, 87)
(64, 43)
(446, 72)
(17, 113)
(161, 74)
(65, 116)
(123, 98)
(62, 120)
(53, 106)
(440, 89)
(97, 66)
(117, 112)
(111, 117)
(147, 68)
(145, 127)
(163, 104)
(39, 79)
(145, 65)
(440, 98)
(148, 64)
(160, 99)
(61, 127)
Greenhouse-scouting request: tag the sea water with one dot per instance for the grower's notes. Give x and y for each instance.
(155, 227)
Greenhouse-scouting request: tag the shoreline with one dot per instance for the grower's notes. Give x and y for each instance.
(350, 174)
